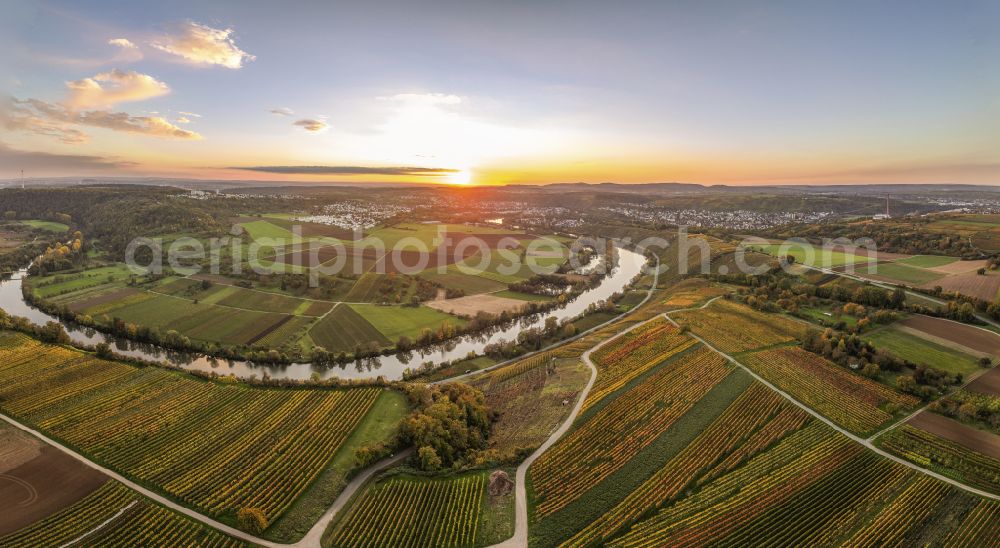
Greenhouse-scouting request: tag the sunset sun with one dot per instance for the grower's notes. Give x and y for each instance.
(460, 177)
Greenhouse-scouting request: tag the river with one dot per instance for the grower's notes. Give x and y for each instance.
(630, 265)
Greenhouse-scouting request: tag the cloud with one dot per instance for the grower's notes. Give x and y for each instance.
(43, 118)
(182, 120)
(348, 170)
(190, 114)
(124, 43)
(48, 162)
(311, 124)
(107, 89)
(203, 45)
(282, 111)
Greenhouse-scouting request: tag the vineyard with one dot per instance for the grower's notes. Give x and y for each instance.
(949, 458)
(634, 353)
(755, 420)
(608, 440)
(851, 401)
(404, 511)
(816, 488)
(732, 327)
(529, 396)
(140, 523)
(214, 446)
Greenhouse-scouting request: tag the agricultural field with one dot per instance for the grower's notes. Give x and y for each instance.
(37, 480)
(853, 402)
(691, 292)
(815, 487)
(812, 255)
(982, 230)
(394, 322)
(530, 396)
(753, 421)
(616, 432)
(404, 510)
(918, 349)
(943, 456)
(343, 328)
(264, 313)
(927, 261)
(116, 516)
(898, 273)
(634, 353)
(733, 327)
(215, 446)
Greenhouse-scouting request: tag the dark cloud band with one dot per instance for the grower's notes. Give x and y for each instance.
(348, 170)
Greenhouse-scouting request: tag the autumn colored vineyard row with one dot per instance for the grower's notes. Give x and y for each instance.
(614, 435)
(750, 414)
(816, 488)
(952, 459)
(517, 368)
(634, 353)
(217, 447)
(414, 512)
(837, 394)
(141, 523)
(733, 327)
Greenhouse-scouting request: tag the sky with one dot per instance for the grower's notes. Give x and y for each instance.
(503, 92)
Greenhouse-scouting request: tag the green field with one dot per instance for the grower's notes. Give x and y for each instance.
(900, 272)
(471, 285)
(822, 316)
(49, 226)
(343, 329)
(264, 229)
(919, 351)
(927, 261)
(824, 258)
(58, 284)
(396, 321)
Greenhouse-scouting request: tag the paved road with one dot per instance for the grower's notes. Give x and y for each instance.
(866, 442)
(520, 538)
(312, 538)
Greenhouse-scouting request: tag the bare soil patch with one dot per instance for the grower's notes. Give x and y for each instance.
(42, 485)
(978, 440)
(960, 267)
(104, 298)
(472, 304)
(974, 285)
(979, 340)
(987, 383)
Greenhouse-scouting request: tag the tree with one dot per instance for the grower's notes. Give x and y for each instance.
(451, 419)
(251, 519)
(429, 459)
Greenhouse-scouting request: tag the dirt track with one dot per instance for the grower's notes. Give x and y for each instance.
(975, 338)
(977, 440)
(37, 481)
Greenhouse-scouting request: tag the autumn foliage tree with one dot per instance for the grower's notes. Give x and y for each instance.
(447, 423)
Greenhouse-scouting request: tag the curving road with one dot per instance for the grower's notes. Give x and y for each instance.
(520, 538)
